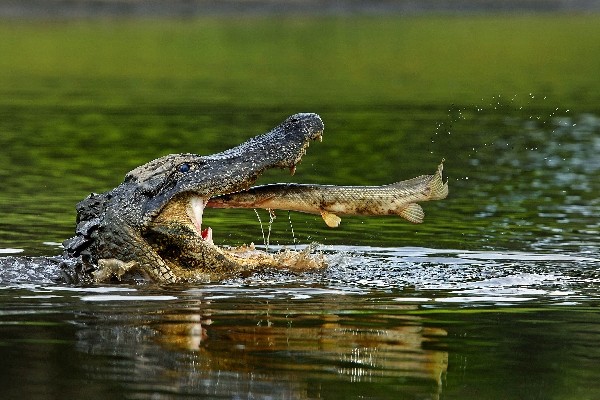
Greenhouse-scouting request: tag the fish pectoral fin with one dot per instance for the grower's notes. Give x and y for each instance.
(332, 220)
(413, 213)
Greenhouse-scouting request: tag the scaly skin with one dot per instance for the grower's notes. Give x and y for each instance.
(399, 198)
(118, 233)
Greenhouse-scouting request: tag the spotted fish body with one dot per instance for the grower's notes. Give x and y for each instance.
(398, 198)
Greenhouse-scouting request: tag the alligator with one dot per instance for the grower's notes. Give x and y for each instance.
(150, 226)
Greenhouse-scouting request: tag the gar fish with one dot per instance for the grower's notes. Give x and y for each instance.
(398, 198)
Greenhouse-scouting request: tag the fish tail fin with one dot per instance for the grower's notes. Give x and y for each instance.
(413, 213)
(438, 188)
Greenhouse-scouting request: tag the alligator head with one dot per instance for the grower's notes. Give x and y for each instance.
(151, 224)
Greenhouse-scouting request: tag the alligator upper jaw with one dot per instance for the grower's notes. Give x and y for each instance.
(230, 171)
(164, 179)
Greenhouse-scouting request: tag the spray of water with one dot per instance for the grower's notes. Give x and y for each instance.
(267, 237)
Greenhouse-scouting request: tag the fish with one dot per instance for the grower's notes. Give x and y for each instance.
(330, 201)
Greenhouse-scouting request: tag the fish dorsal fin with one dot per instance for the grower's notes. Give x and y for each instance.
(332, 220)
(413, 213)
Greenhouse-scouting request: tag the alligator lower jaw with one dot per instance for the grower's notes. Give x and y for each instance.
(176, 231)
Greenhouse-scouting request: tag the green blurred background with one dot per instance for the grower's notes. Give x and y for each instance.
(91, 89)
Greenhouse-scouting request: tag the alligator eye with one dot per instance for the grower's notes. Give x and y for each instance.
(185, 167)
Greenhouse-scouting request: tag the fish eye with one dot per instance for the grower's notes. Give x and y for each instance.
(185, 167)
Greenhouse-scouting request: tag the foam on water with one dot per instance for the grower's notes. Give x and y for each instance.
(435, 275)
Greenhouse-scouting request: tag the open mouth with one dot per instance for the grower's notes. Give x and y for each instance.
(195, 211)
(186, 209)
(179, 236)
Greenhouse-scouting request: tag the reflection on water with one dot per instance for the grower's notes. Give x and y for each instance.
(495, 293)
(229, 342)
(267, 345)
(294, 340)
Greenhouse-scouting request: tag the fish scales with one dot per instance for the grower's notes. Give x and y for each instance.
(398, 198)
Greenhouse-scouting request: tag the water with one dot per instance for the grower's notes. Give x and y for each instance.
(494, 296)
(381, 323)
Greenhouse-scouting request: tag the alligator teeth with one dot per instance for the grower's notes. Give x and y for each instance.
(195, 210)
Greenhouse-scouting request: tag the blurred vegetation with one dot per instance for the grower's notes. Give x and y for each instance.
(300, 61)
